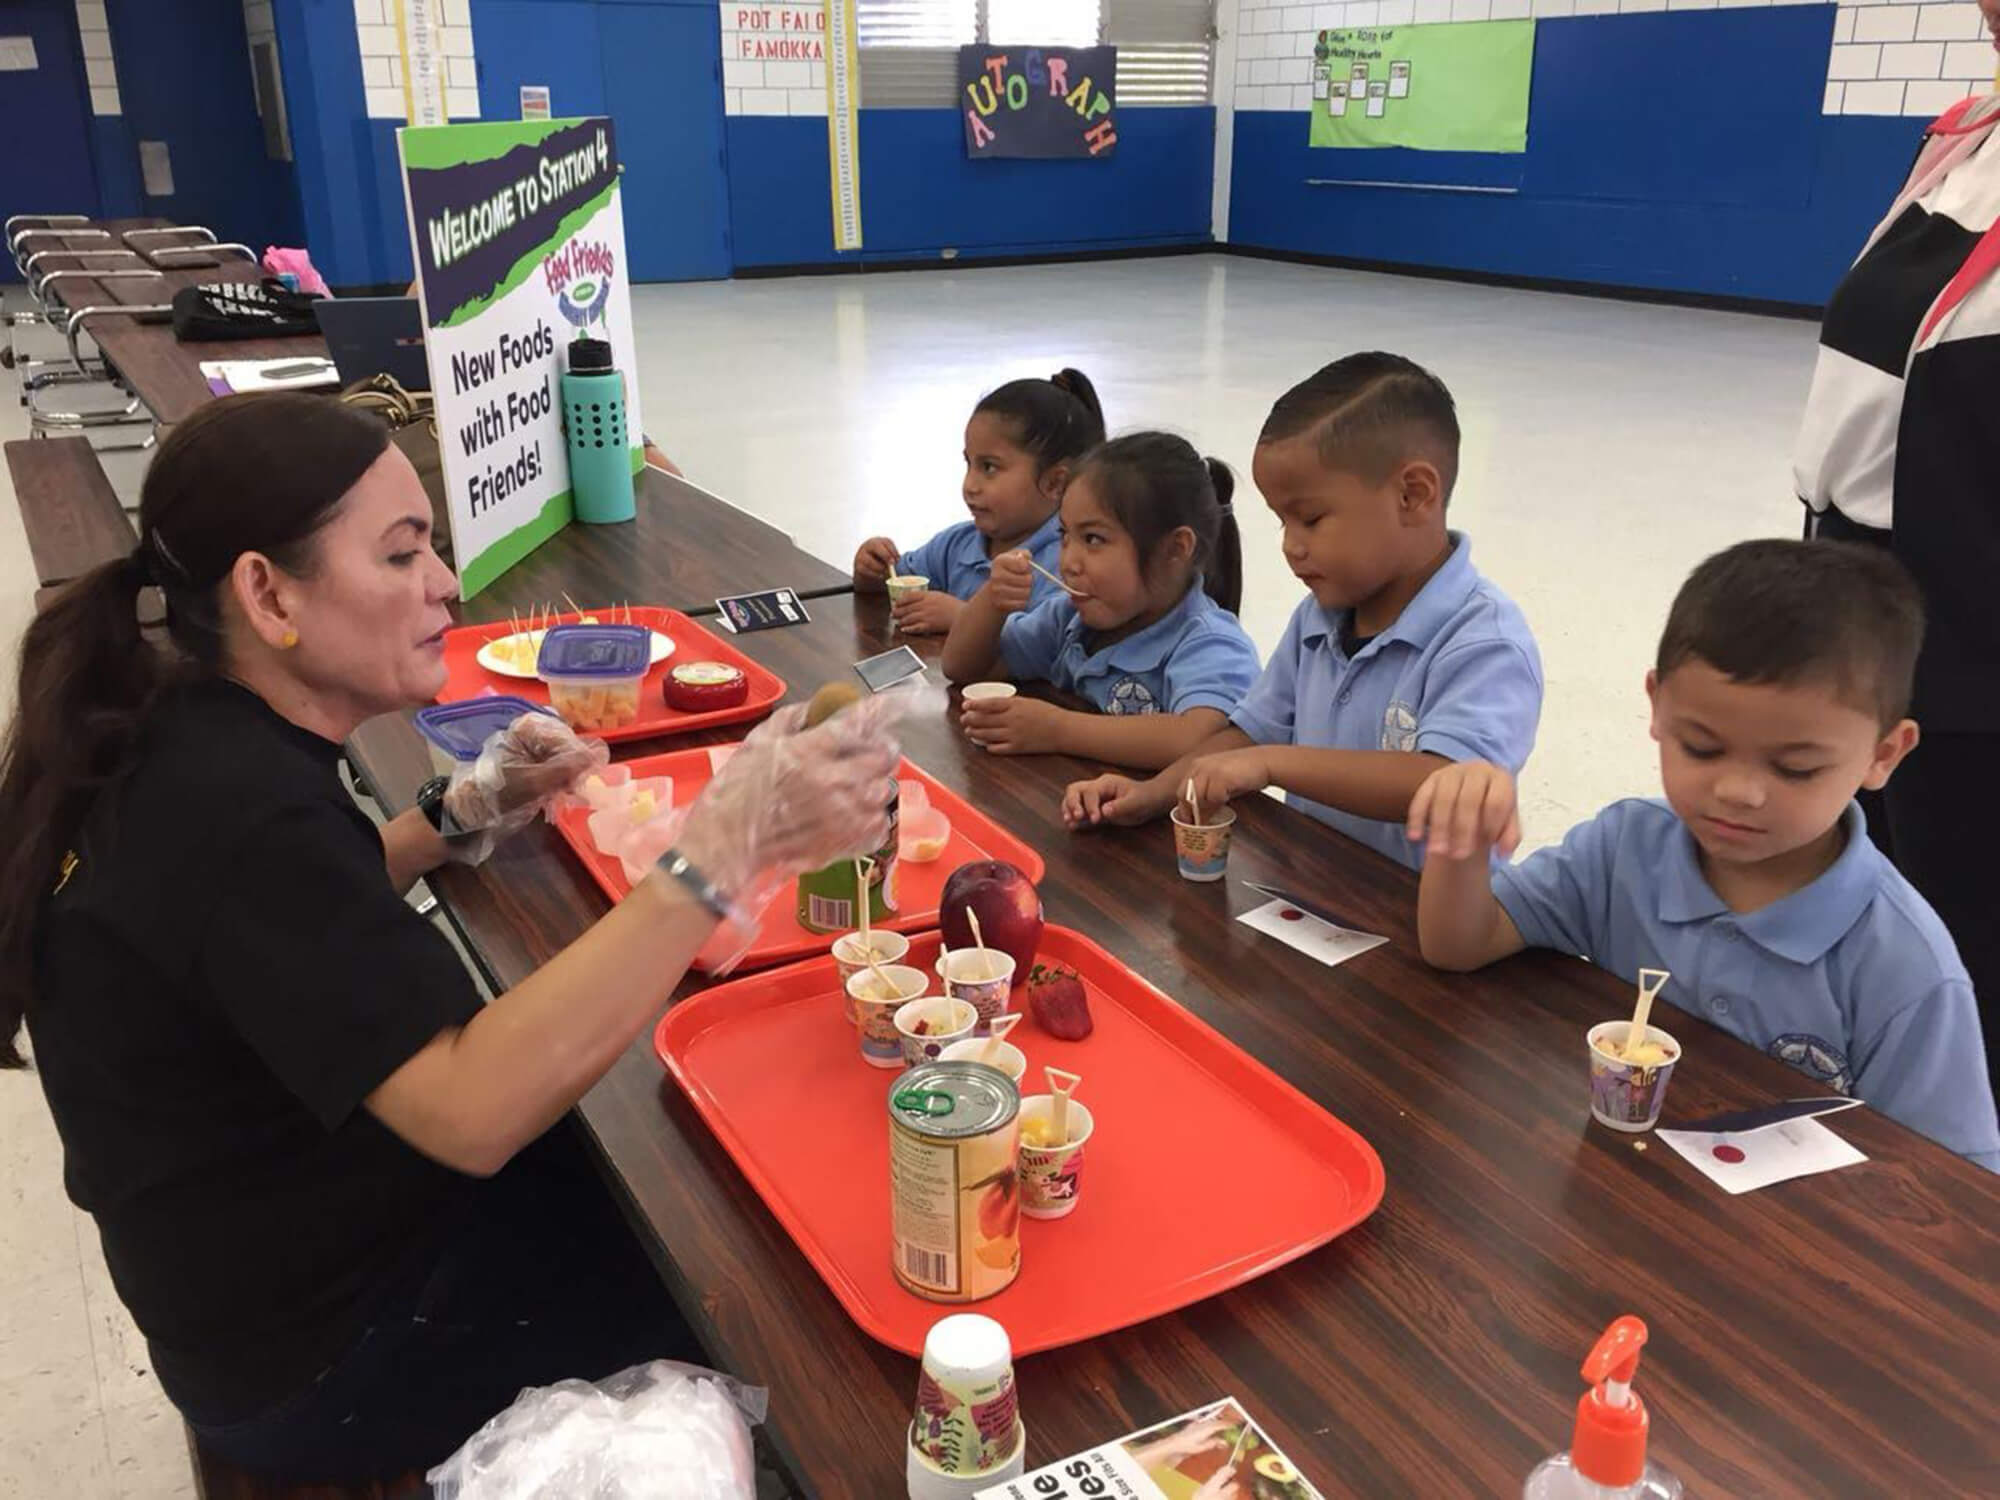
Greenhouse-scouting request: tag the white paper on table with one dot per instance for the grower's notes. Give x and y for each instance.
(1777, 1153)
(1321, 940)
(254, 374)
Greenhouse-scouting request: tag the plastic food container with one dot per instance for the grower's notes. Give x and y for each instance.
(594, 673)
(696, 687)
(461, 730)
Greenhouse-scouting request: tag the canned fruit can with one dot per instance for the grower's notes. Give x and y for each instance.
(830, 899)
(954, 1189)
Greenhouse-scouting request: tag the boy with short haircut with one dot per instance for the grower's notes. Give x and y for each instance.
(1780, 688)
(1402, 658)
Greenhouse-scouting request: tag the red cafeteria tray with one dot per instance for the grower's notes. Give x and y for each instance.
(467, 679)
(1204, 1170)
(919, 887)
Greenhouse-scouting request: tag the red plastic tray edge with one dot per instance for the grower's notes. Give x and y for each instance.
(1027, 859)
(685, 1022)
(767, 688)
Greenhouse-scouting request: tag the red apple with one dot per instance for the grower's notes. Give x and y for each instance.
(1009, 907)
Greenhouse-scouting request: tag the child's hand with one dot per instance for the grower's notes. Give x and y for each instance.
(1012, 582)
(1110, 799)
(876, 560)
(1464, 809)
(1013, 726)
(1223, 777)
(928, 613)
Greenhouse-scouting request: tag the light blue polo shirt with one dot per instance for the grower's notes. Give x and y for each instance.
(1196, 655)
(1457, 675)
(1852, 980)
(956, 563)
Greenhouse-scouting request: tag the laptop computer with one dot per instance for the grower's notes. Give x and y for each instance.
(375, 336)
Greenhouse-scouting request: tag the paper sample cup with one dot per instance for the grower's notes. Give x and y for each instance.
(973, 692)
(983, 977)
(1052, 1176)
(1625, 1096)
(1202, 849)
(875, 1019)
(967, 1425)
(943, 1020)
(903, 586)
(1008, 1058)
(849, 958)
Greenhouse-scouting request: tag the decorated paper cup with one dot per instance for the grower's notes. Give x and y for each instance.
(974, 691)
(984, 977)
(966, 1432)
(1624, 1095)
(926, 1027)
(1008, 1058)
(850, 959)
(903, 586)
(1203, 848)
(875, 1016)
(1052, 1176)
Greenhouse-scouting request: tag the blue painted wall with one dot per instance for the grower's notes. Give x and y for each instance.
(59, 175)
(1683, 152)
(920, 195)
(184, 77)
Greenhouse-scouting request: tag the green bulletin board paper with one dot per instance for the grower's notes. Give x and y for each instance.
(1456, 86)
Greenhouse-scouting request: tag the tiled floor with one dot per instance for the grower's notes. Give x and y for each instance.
(1608, 448)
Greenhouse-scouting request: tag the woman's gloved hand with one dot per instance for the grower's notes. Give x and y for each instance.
(521, 770)
(793, 799)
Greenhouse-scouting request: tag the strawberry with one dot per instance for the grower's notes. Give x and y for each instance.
(1057, 999)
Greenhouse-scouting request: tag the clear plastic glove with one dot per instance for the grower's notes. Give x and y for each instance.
(660, 1431)
(794, 799)
(520, 772)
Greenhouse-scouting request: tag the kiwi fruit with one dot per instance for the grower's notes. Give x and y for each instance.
(830, 700)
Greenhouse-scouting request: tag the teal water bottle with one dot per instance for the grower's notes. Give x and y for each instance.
(600, 457)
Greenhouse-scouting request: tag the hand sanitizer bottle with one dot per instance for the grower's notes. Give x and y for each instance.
(1607, 1456)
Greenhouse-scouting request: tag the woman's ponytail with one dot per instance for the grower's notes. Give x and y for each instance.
(88, 679)
(1222, 572)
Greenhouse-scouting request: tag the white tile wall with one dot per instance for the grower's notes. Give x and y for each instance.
(95, 31)
(382, 86)
(773, 66)
(1888, 56)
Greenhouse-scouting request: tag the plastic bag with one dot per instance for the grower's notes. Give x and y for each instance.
(659, 1431)
(522, 771)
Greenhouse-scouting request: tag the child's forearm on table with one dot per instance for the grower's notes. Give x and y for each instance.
(1367, 783)
(972, 650)
(1147, 741)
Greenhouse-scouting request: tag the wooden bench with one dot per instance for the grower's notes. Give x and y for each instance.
(217, 1479)
(68, 508)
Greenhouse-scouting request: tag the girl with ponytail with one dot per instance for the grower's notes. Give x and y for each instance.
(1021, 447)
(1146, 629)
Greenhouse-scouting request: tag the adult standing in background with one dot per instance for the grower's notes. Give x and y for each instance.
(1900, 446)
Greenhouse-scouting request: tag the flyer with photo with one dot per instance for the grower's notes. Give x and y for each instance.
(1215, 1453)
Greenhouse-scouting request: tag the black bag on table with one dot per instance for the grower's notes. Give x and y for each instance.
(219, 311)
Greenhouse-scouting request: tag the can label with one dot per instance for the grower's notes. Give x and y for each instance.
(828, 898)
(954, 1183)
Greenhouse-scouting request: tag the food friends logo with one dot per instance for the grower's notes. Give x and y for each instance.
(579, 276)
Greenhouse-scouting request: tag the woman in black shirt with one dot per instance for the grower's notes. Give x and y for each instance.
(326, 1178)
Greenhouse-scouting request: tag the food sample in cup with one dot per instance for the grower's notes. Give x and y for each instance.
(1051, 1167)
(1202, 849)
(926, 1027)
(903, 586)
(983, 977)
(874, 998)
(850, 957)
(594, 673)
(698, 687)
(1627, 1093)
(1005, 1056)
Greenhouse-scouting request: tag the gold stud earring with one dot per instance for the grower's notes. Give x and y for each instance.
(288, 640)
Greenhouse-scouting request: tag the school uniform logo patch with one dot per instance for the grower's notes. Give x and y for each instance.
(1816, 1058)
(1399, 726)
(1130, 695)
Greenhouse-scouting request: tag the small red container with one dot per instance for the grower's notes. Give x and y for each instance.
(919, 887)
(465, 678)
(1207, 1169)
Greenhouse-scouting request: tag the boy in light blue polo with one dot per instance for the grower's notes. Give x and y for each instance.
(1404, 657)
(1780, 689)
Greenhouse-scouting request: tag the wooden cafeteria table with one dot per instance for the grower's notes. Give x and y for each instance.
(1834, 1336)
